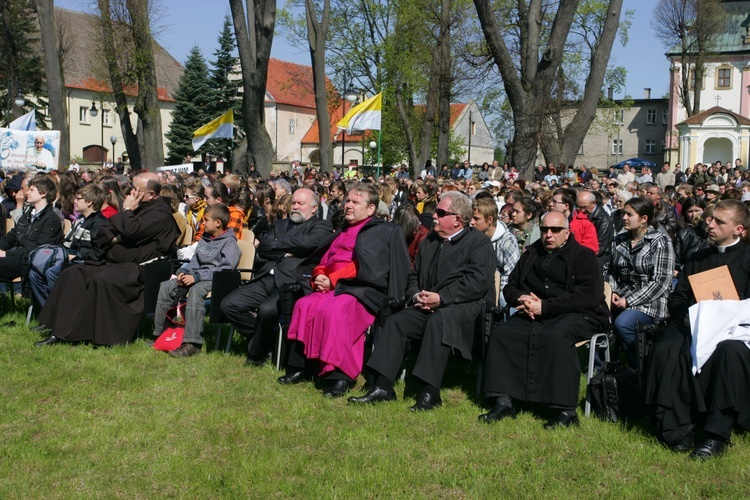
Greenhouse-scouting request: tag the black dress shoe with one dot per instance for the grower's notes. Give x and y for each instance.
(41, 328)
(48, 341)
(374, 395)
(563, 419)
(294, 378)
(255, 361)
(497, 413)
(709, 448)
(338, 388)
(426, 402)
(684, 445)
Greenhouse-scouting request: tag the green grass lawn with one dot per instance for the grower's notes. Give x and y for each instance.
(132, 422)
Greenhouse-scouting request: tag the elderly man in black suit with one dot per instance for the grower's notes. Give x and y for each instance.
(558, 292)
(254, 308)
(452, 277)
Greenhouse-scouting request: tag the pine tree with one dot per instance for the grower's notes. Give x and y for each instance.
(226, 82)
(192, 107)
(20, 62)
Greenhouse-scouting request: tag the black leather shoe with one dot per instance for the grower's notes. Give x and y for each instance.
(40, 328)
(564, 419)
(48, 341)
(426, 402)
(709, 448)
(338, 389)
(684, 445)
(294, 378)
(497, 413)
(374, 395)
(255, 361)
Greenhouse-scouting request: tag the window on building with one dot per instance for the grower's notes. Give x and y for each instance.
(83, 114)
(663, 145)
(616, 146)
(106, 118)
(619, 116)
(651, 116)
(723, 78)
(292, 126)
(473, 128)
(650, 146)
(665, 116)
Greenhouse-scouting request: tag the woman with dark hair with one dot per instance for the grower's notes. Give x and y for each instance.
(69, 185)
(524, 224)
(260, 221)
(691, 231)
(640, 272)
(407, 217)
(113, 196)
(217, 192)
(484, 173)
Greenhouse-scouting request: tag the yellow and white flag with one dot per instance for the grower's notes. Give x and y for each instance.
(220, 128)
(364, 116)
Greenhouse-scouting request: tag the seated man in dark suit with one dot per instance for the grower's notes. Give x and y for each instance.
(558, 292)
(721, 389)
(254, 308)
(453, 275)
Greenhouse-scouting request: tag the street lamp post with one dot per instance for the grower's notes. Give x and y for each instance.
(19, 101)
(373, 146)
(113, 140)
(93, 112)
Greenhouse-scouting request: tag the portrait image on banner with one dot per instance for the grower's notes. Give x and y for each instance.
(20, 149)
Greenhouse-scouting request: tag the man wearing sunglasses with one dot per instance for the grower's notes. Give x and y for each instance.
(558, 292)
(452, 277)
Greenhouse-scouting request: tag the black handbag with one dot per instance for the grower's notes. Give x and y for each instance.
(615, 393)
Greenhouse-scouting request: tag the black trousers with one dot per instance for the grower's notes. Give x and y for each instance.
(394, 341)
(253, 309)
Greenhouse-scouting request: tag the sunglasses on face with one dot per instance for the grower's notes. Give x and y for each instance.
(554, 229)
(442, 213)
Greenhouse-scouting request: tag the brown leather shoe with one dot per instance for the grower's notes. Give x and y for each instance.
(185, 351)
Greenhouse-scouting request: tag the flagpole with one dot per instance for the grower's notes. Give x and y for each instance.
(379, 134)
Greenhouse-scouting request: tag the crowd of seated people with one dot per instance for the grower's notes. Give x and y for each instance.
(431, 244)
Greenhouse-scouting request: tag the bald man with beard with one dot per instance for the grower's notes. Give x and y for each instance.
(558, 292)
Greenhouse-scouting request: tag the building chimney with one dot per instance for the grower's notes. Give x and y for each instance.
(610, 93)
(647, 93)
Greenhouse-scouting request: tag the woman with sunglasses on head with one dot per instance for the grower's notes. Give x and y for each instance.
(640, 272)
(196, 206)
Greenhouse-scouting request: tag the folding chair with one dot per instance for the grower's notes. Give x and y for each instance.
(598, 341)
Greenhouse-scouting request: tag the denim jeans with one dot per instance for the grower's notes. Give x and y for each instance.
(624, 326)
(195, 309)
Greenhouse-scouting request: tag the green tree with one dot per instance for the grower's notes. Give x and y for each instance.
(21, 65)
(225, 83)
(192, 107)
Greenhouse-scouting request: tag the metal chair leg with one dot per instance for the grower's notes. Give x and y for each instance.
(593, 345)
(218, 338)
(229, 340)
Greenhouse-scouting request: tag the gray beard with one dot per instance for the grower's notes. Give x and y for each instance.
(296, 218)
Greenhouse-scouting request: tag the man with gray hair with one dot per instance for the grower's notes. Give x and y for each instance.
(254, 308)
(452, 277)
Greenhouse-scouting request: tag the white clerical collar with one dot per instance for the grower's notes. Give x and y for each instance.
(450, 238)
(723, 248)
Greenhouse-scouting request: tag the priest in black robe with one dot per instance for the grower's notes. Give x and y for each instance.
(720, 393)
(557, 289)
(102, 302)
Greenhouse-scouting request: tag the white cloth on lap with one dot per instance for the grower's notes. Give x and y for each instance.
(713, 321)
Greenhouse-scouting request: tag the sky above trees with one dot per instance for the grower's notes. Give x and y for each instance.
(186, 23)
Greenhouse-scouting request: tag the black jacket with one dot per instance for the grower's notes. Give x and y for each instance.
(28, 233)
(286, 237)
(584, 290)
(688, 241)
(81, 240)
(604, 231)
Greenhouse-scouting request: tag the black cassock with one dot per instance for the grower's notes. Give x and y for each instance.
(678, 398)
(536, 360)
(102, 302)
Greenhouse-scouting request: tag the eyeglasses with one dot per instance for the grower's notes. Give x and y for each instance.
(554, 229)
(442, 213)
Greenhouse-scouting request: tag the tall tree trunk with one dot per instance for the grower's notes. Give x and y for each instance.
(403, 113)
(151, 139)
(254, 33)
(430, 113)
(445, 79)
(316, 37)
(55, 78)
(117, 84)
